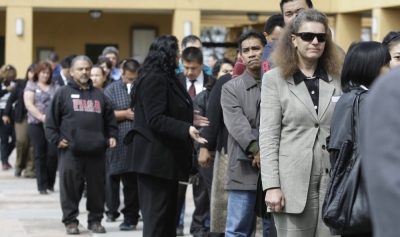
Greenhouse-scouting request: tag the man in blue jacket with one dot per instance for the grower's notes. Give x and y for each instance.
(81, 123)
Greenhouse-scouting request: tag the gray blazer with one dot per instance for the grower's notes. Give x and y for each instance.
(291, 134)
(239, 100)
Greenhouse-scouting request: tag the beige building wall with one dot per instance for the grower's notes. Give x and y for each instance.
(18, 50)
(68, 33)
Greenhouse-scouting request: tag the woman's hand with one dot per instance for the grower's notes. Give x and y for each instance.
(200, 121)
(195, 135)
(275, 200)
(204, 157)
(6, 119)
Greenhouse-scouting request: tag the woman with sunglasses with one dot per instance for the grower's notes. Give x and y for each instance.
(392, 42)
(297, 102)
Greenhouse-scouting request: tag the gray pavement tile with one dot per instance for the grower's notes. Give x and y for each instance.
(26, 213)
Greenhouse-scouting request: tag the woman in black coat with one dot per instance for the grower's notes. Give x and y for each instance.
(162, 137)
(18, 113)
(363, 64)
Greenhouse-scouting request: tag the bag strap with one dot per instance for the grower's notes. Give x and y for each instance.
(355, 126)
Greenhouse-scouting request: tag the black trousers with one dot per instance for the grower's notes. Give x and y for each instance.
(201, 198)
(74, 171)
(158, 202)
(6, 147)
(131, 196)
(45, 155)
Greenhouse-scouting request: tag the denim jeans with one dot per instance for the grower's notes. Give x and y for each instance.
(266, 227)
(241, 220)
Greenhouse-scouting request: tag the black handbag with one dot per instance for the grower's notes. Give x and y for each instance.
(260, 208)
(345, 209)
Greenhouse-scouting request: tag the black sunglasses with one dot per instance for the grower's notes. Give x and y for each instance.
(307, 36)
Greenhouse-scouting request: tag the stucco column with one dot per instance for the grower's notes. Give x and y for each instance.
(386, 20)
(184, 15)
(347, 29)
(19, 49)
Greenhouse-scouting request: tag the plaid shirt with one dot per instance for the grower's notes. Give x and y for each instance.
(118, 95)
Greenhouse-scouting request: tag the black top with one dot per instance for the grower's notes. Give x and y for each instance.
(312, 83)
(84, 117)
(216, 134)
(17, 95)
(159, 143)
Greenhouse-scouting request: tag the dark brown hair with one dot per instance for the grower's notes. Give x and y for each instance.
(41, 66)
(285, 55)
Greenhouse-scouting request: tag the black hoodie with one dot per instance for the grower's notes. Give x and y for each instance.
(84, 117)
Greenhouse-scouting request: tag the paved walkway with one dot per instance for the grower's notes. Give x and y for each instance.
(26, 213)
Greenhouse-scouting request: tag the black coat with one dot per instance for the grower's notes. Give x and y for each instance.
(161, 144)
(182, 79)
(341, 125)
(216, 134)
(17, 95)
(58, 79)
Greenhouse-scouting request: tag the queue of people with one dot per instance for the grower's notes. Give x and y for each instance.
(297, 104)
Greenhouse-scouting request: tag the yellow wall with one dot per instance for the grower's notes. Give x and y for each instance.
(387, 20)
(19, 48)
(68, 33)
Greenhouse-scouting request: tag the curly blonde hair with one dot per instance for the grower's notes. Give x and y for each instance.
(285, 55)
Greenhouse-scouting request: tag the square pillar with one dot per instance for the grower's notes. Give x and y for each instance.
(19, 49)
(347, 30)
(386, 20)
(178, 23)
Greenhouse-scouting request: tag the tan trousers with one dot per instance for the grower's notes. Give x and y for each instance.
(25, 158)
(219, 196)
(309, 223)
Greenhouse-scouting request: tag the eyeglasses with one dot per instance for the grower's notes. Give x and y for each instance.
(307, 36)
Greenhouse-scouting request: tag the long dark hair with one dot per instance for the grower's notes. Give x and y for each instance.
(31, 68)
(161, 57)
(363, 63)
(215, 71)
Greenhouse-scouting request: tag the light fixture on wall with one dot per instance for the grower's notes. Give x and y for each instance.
(95, 14)
(19, 26)
(253, 16)
(187, 28)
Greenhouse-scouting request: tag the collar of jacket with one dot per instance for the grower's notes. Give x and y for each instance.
(248, 80)
(320, 73)
(75, 85)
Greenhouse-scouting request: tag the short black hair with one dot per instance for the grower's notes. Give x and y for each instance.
(251, 34)
(105, 60)
(66, 62)
(53, 57)
(391, 39)
(272, 22)
(363, 63)
(192, 54)
(189, 38)
(308, 2)
(121, 63)
(130, 65)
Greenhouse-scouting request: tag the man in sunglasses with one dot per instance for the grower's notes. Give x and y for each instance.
(289, 8)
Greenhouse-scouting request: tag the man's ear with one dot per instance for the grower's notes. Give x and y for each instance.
(265, 34)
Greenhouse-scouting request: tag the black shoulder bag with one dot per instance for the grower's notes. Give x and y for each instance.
(345, 210)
